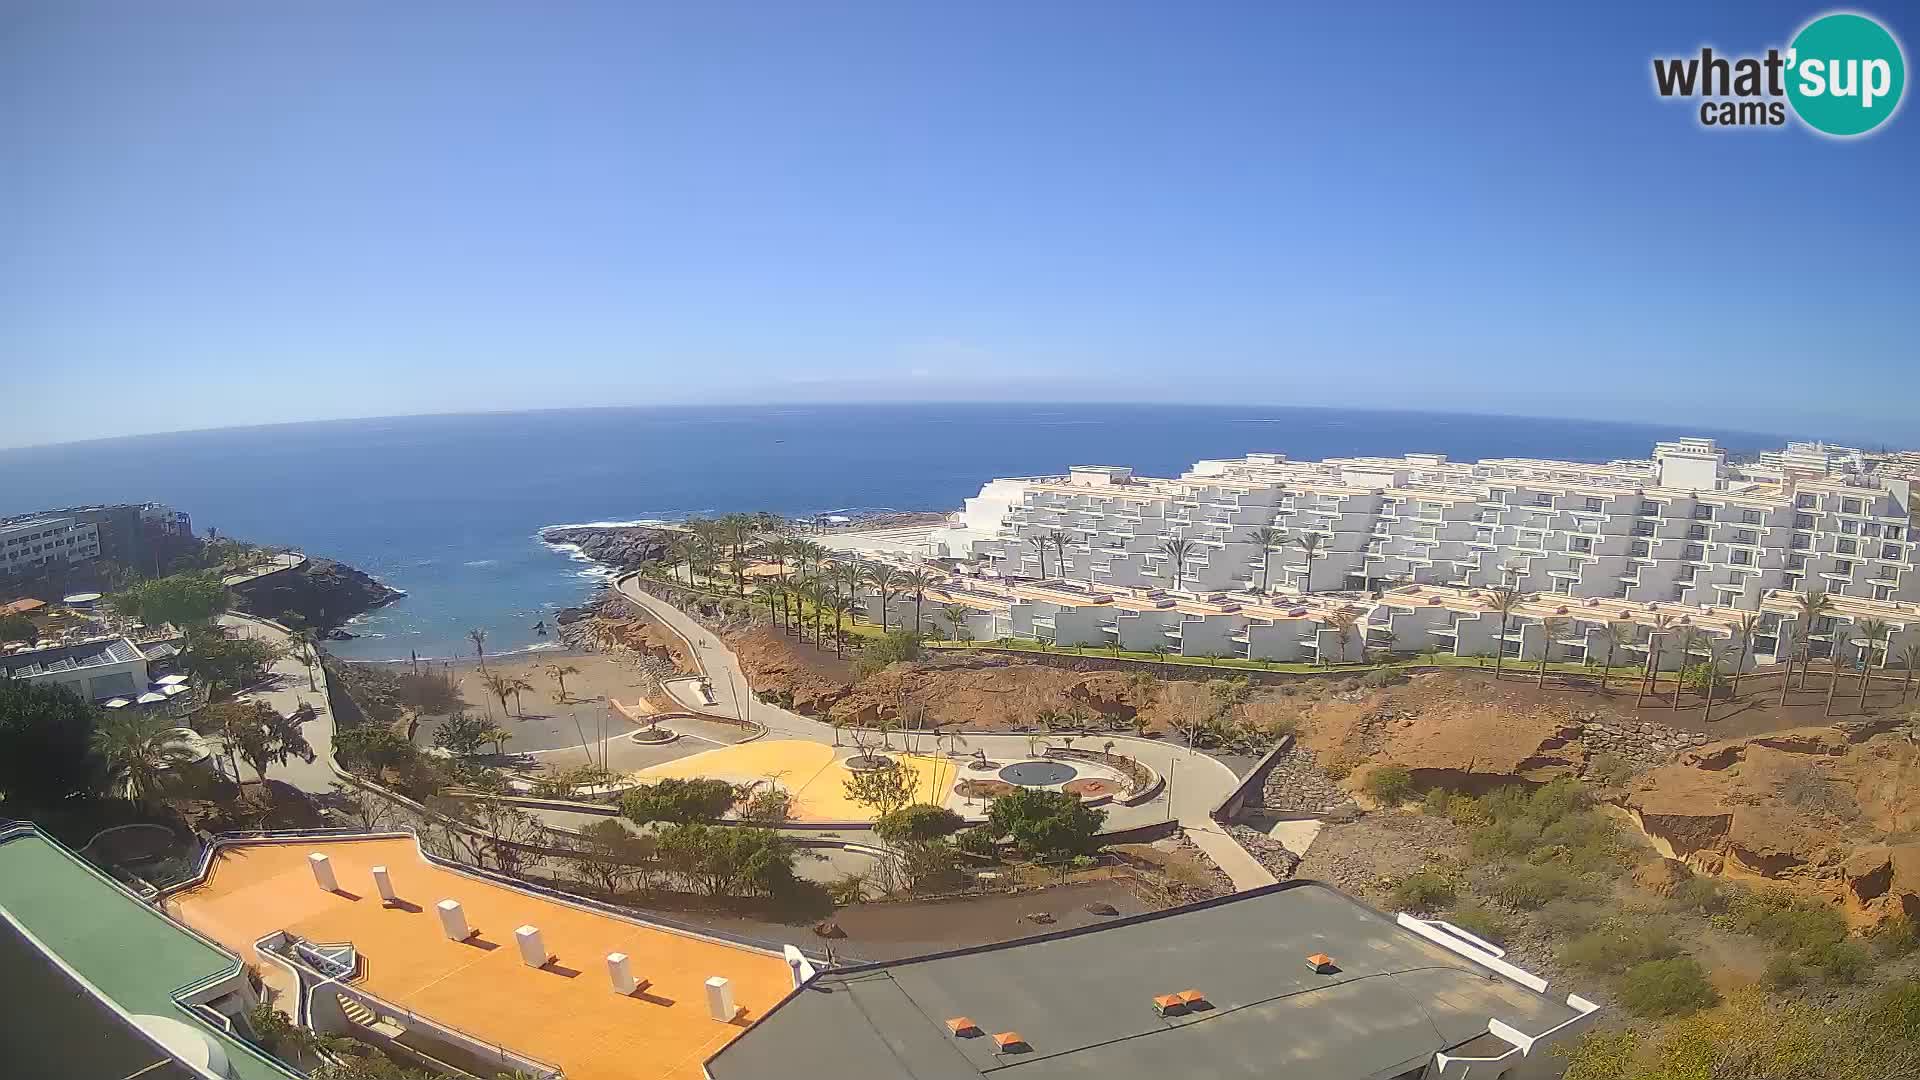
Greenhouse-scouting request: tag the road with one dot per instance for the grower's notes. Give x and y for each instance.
(1196, 783)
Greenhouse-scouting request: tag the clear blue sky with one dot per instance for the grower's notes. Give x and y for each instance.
(231, 213)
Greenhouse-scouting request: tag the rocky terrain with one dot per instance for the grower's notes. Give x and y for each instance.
(623, 547)
(322, 594)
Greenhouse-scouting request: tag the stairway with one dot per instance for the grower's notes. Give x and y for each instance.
(357, 1012)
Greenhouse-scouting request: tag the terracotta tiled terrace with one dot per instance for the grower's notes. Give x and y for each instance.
(565, 1013)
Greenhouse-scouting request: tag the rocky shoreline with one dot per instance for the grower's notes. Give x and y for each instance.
(622, 547)
(321, 594)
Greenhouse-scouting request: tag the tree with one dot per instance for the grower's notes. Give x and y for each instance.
(1810, 608)
(479, 638)
(1683, 639)
(1909, 657)
(46, 744)
(1059, 539)
(461, 734)
(17, 627)
(1874, 634)
(1177, 552)
(558, 673)
(608, 855)
(1039, 544)
(500, 686)
(956, 615)
(884, 788)
(139, 753)
(841, 605)
(224, 663)
(770, 805)
(1717, 651)
(1655, 636)
(1345, 622)
(886, 582)
(306, 651)
(517, 686)
(1550, 631)
(918, 823)
(1504, 599)
(499, 737)
(1615, 636)
(1267, 538)
(726, 860)
(260, 736)
(1045, 824)
(679, 801)
(187, 599)
(1744, 631)
(915, 583)
(897, 646)
(1308, 543)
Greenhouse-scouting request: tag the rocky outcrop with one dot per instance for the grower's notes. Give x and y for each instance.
(623, 547)
(321, 594)
(1808, 808)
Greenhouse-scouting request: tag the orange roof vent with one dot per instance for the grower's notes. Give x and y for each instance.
(1192, 999)
(1009, 1041)
(962, 1027)
(1322, 964)
(1168, 1003)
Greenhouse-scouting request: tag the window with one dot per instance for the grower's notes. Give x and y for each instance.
(1850, 506)
(1643, 528)
(1579, 543)
(1887, 573)
(1743, 536)
(1796, 562)
(1595, 504)
(1801, 541)
(1640, 549)
(1891, 551)
(1541, 498)
(1696, 532)
(1679, 592)
(1694, 551)
(1803, 521)
(1893, 532)
(1649, 508)
(1794, 580)
(1703, 513)
(1843, 566)
(1739, 557)
(1804, 502)
(1883, 592)
(1750, 517)
(1845, 547)
(1869, 529)
(1851, 528)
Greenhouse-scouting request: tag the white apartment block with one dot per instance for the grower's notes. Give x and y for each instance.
(1081, 558)
(29, 545)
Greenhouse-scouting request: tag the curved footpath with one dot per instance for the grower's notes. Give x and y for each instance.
(1196, 783)
(288, 691)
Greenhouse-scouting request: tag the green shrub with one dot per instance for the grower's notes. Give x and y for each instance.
(1481, 920)
(1843, 963)
(1700, 895)
(1896, 1011)
(1466, 811)
(1374, 680)
(1423, 892)
(1045, 824)
(1784, 920)
(1531, 887)
(1897, 937)
(1435, 803)
(1672, 987)
(977, 842)
(1619, 945)
(1571, 918)
(678, 801)
(1389, 784)
(1783, 972)
(1611, 769)
(895, 647)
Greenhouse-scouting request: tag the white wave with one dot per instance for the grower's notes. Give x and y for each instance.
(482, 562)
(637, 523)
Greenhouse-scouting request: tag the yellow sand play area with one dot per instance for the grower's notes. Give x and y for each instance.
(812, 772)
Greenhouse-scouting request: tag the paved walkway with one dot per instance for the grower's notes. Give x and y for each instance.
(1196, 783)
(286, 690)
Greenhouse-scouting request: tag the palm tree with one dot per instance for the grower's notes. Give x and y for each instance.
(1266, 538)
(1345, 622)
(775, 594)
(1812, 606)
(1614, 635)
(915, 583)
(1909, 656)
(1744, 632)
(516, 687)
(681, 549)
(1308, 543)
(499, 686)
(886, 582)
(956, 618)
(1177, 551)
(1876, 632)
(1039, 544)
(1059, 539)
(840, 604)
(1504, 598)
(1683, 639)
(851, 575)
(558, 673)
(479, 639)
(1550, 630)
(1717, 650)
(137, 748)
(304, 651)
(1649, 680)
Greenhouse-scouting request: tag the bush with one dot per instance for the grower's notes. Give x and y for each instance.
(1530, 887)
(1611, 769)
(1784, 920)
(920, 823)
(1435, 802)
(1423, 892)
(977, 842)
(898, 646)
(768, 805)
(1374, 680)
(727, 860)
(1570, 918)
(1618, 946)
(1482, 921)
(1843, 963)
(1897, 937)
(1783, 973)
(1896, 1011)
(678, 801)
(1699, 895)
(1389, 784)
(1045, 824)
(1672, 987)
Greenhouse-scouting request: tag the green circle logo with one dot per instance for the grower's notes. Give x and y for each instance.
(1845, 74)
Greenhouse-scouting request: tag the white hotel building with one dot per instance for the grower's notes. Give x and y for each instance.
(1684, 533)
(31, 544)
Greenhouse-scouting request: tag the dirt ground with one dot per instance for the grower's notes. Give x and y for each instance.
(540, 719)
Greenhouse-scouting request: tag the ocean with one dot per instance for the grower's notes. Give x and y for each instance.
(449, 508)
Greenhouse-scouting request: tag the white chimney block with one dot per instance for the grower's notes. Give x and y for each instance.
(620, 973)
(454, 921)
(799, 966)
(720, 1000)
(323, 872)
(384, 884)
(533, 952)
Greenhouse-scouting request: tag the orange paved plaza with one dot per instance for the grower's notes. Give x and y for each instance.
(565, 1014)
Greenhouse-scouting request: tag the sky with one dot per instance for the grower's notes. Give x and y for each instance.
(239, 213)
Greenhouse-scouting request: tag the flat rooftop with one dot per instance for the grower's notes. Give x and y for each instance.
(565, 1014)
(131, 954)
(1083, 1001)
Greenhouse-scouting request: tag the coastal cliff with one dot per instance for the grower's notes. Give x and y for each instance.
(623, 547)
(321, 594)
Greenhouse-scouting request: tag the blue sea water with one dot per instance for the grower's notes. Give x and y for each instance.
(449, 508)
